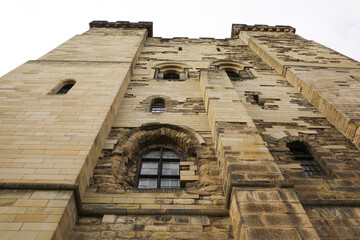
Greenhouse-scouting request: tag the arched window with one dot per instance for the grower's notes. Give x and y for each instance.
(159, 168)
(171, 71)
(171, 75)
(63, 87)
(157, 105)
(235, 71)
(304, 158)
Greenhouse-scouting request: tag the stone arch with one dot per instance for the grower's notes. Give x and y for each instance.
(223, 64)
(156, 133)
(171, 67)
(118, 170)
(238, 68)
(146, 103)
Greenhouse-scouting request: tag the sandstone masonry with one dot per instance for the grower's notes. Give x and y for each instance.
(255, 136)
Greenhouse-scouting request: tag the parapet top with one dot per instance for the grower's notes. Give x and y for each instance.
(124, 25)
(237, 28)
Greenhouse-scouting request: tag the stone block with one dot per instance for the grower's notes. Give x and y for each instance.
(187, 173)
(154, 228)
(188, 178)
(30, 218)
(108, 218)
(272, 234)
(162, 235)
(184, 201)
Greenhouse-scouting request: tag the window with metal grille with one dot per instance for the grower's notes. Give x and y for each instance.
(65, 88)
(304, 158)
(157, 105)
(159, 168)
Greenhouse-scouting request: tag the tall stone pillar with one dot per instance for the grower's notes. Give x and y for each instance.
(259, 207)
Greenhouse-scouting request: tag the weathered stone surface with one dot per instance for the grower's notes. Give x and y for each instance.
(265, 123)
(154, 227)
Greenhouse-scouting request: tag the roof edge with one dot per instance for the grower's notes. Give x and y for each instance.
(236, 28)
(123, 25)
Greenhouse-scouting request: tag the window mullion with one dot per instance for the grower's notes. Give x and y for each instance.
(138, 171)
(160, 168)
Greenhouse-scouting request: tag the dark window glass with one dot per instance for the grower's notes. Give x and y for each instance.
(171, 75)
(157, 105)
(233, 75)
(159, 169)
(64, 89)
(304, 158)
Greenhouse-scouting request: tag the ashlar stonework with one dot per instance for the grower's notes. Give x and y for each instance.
(255, 136)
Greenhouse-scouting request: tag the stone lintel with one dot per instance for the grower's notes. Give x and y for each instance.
(124, 25)
(237, 28)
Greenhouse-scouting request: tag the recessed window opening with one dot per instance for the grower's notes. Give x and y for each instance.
(232, 74)
(218, 49)
(171, 75)
(172, 70)
(159, 168)
(65, 88)
(304, 158)
(256, 98)
(180, 48)
(157, 105)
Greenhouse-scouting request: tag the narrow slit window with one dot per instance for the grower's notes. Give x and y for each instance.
(304, 158)
(157, 105)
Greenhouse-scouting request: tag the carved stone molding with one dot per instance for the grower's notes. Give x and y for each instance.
(237, 28)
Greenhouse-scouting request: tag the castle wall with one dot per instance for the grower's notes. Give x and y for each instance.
(320, 87)
(329, 80)
(238, 178)
(153, 227)
(36, 214)
(335, 222)
(50, 138)
(56, 138)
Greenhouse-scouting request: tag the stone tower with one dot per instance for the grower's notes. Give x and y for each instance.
(116, 134)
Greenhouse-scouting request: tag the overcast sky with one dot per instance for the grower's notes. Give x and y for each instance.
(31, 28)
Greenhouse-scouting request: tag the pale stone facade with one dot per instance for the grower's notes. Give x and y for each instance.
(231, 110)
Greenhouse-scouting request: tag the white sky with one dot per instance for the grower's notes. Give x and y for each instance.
(31, 28)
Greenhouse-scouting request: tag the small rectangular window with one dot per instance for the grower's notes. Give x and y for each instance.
(157, 105)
